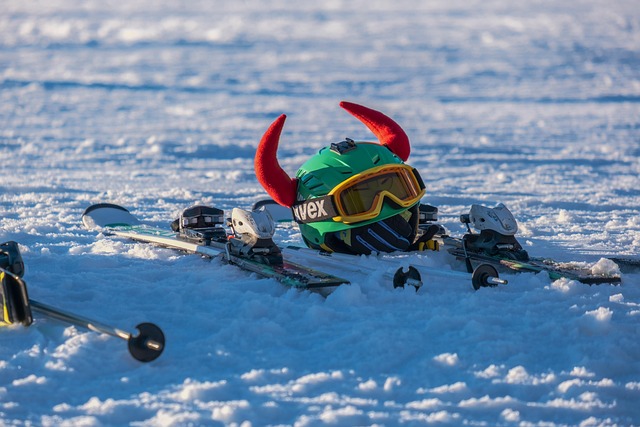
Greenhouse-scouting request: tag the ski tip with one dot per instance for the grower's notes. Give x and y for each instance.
(102, 206)
(102, 215)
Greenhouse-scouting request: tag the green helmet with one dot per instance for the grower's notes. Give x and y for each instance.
(354, 197)
(328, 169)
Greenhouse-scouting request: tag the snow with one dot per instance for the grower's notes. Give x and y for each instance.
(159, 105)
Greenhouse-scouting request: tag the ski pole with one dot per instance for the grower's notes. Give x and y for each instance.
(146, 346)
(482, 276)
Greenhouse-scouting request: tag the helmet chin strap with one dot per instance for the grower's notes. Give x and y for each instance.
(396, 233)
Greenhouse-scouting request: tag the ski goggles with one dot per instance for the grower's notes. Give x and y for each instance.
(362, 196)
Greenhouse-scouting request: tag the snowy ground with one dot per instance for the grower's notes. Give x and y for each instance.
(157, 105)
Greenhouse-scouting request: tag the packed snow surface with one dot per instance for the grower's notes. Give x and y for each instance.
(159, 105)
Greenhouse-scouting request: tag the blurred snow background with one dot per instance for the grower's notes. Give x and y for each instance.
(160, 105)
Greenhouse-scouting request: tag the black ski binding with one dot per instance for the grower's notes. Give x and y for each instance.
(262, 250)
(497, 233)
(427, 216)
(201, 225)
(492, 243)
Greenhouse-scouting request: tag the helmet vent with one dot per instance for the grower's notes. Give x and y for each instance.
(315, 184)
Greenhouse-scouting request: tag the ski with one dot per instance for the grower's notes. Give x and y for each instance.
(199, 231)
(483, 275)
(495, 245)
(556, 270)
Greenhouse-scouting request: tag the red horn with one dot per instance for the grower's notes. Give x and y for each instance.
(273, 178)
(388, 132)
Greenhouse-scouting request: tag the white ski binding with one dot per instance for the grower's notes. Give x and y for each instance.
(497, 228)
(253, 235)
(499, 219)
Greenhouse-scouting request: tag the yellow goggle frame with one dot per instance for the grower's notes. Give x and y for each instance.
(356, 199)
